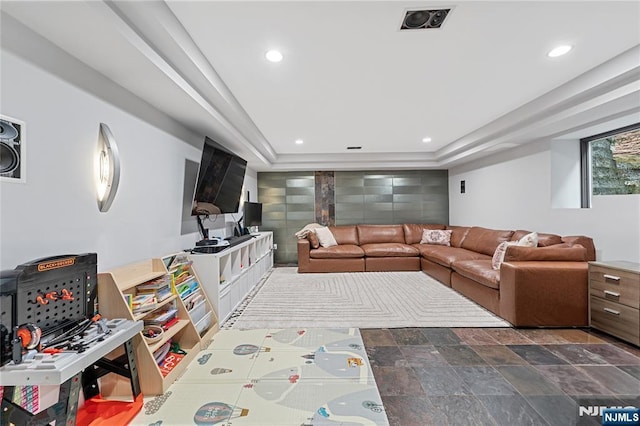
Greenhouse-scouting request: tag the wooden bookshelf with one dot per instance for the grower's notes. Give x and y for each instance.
(192, 332)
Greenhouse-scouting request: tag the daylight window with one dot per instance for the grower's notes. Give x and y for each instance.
(611, 163)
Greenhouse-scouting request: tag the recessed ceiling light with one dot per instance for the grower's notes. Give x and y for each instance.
(426, 140)
(273, 56)
(559, 51)
(299, 141)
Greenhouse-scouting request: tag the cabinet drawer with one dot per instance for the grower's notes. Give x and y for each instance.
(616, 319)
(615, 285)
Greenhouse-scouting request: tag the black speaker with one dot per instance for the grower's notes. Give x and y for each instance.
(10, 149)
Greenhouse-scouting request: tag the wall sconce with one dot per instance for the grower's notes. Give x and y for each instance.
(107, 168)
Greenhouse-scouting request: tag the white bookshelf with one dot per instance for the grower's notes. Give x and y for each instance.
(228, 276)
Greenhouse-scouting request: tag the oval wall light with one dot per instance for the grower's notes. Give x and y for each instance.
(107, 168)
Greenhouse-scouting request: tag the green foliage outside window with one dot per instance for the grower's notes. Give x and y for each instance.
(615, 164)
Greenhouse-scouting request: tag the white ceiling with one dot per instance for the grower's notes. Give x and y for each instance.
(479, 84)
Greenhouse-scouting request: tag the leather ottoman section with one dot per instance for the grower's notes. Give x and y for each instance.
(445, 256)
(434, 270)
(344, 251)
(382, 264)
(335, 265)
(389, 250)
(486, 297)
(478, 270)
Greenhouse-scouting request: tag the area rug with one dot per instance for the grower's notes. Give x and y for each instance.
(361, 299)
(273, 377)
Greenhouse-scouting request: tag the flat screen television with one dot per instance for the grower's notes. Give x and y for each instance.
(252, 214)
(220, 180)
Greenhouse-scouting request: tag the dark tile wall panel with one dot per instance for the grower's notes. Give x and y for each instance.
(288, 204)
(291, 200)
(395, 196)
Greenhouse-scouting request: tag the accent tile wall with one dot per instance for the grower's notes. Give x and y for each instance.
(293, 199)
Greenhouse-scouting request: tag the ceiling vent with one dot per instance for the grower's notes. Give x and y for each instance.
(354, 147)
(424, 19)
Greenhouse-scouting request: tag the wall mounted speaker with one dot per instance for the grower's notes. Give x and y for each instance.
(11, 149)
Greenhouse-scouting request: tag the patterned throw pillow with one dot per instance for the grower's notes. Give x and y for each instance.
(436, 237)
(498, 255)
(313, 240)
(325, 237)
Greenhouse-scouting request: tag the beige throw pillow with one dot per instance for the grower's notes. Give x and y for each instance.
(436, 237)
(325, 237)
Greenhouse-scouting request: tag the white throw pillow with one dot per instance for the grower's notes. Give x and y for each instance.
(436, 237)
(498, 255)
(325, 237)
(529, 240)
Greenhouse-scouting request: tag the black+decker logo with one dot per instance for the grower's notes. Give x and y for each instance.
(62, 263)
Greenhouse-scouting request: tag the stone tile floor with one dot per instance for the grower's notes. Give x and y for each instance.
(500, 376)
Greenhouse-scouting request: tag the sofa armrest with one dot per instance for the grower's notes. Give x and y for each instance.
(303, 255)
(544, 293)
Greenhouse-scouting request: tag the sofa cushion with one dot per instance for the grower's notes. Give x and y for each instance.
(413, 231)
(445, 256)
(346, 234)
(485, 241)
(458, 234)
(478, 270)
(390, 250)
(342, 251)
(372, 234)
(585, 242)
(544, 240)
(558, 252)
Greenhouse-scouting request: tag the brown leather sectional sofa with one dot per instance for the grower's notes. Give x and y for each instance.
(535, 286)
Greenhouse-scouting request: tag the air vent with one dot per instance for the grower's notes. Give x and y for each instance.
(424, 19)
(354, 147)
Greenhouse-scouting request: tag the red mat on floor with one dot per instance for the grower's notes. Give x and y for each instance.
(97, 411)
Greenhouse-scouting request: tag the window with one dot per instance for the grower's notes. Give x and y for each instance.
(610, 163)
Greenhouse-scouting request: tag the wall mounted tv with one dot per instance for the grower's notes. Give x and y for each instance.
(220, 179)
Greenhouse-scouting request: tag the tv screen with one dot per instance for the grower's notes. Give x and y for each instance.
(252, 214)
(220, 179)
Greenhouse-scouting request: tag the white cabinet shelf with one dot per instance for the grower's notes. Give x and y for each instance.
(228, 276)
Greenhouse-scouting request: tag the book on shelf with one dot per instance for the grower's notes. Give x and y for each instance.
(169, 362)
(155, 284)
(162, 317)
(143, 303)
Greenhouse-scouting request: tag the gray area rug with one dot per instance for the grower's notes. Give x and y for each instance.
(362, 299)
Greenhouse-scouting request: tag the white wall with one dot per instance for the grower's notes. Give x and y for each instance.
(512, 190)
(55, 211)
